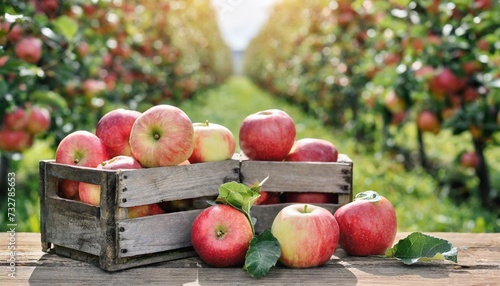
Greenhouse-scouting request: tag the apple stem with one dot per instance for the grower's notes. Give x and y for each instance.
(370, 196)
(206, 122)
(305, 208)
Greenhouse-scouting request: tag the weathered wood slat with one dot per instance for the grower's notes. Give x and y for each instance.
(157, 233)
(146, 186)
(73, 225)
(299, 176)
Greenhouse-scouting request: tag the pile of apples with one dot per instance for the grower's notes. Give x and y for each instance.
(21, 125)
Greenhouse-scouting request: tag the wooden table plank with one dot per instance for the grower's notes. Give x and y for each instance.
(478, 263)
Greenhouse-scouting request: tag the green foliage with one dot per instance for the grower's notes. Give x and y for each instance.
(263, 253)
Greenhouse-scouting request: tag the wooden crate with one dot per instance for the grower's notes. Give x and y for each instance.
(334, 178)
(104, 235)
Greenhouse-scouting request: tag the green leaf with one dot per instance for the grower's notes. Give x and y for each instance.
(239, 196)
(47, 97)
(66, 26)
(418, 247)
(263, 253)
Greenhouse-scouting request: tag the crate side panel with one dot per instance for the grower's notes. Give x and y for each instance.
(174, 183)
(299, 177)
(156, 233)
(72, 225)
(265, 214)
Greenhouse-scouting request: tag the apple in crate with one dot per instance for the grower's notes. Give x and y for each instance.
(367, 225)
(114, 131)
(312, 150)
(267, 135)
(79, 148)
(162, 136)
(308, 235)
(212, 142)
(91, 194)
(221, 236)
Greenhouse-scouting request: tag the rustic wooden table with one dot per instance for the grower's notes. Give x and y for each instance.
(478, 264)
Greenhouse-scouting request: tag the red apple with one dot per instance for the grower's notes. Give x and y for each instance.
(221, 236)
(313, 150)
(15, 140)
(427, 121)
(445, 82)
(90, 193)
(16, 119)
(308, 235)
(146, 210)
(469, 159)
(38, 120)
(29, 49)
(212, 142)
(309, 198)
(114, 131)
(92, 87)
(268, 198)
(80, 148)
(162, 136)
(267, 135)
(368, 224)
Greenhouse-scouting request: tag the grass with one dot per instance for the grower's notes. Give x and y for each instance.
(420, 203)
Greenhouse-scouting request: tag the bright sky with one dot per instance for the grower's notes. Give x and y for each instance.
(241, 20)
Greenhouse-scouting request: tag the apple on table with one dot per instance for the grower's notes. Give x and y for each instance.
(308, 235)
(163, 135)
(79, 148)
(212, 142)
(368, 225)
(267, 135)
(221, 235)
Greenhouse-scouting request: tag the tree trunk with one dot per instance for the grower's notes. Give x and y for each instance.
(4, 169)
(482, 174)
(421, 150)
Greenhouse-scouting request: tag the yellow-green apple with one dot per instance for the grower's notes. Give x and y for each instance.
(221, 236)
(15, 140)
(79, 148)
(427, 121)
(267, 135)
(114, 131)
(469, 159)
(29, 49)
(38, 120)
(308, 235)
(312, 150)
(212, 142)
(162, 136)
(15, 119)
(368, 224)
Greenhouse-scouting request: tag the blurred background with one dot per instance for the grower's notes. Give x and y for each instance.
(409, 90)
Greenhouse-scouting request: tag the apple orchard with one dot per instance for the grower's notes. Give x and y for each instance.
(394, 75)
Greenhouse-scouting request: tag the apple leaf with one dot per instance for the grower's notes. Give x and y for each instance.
(418, 247)
(66, 26)
(263, 253)
(239, 196)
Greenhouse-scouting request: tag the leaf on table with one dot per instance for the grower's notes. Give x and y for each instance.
(263, 253)
(419, 247)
